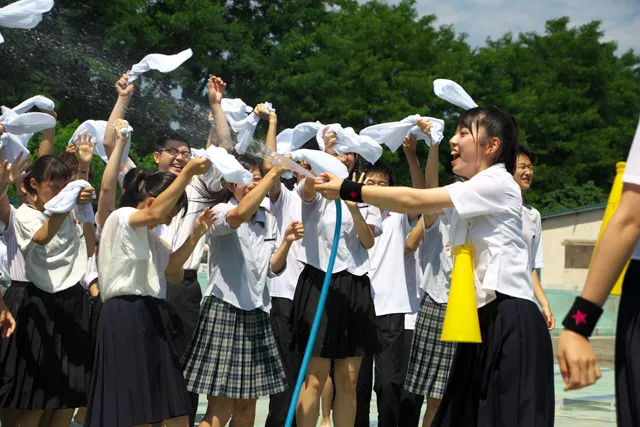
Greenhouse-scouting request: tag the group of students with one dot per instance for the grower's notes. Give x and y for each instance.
(110, 317)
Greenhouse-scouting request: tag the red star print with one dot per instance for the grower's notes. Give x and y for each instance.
(580, 317)
(353, 194)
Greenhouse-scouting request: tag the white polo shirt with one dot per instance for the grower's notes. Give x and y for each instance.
(532, 231)
(286, 209)
(319, 219)
(439, 264)
(61, 263)
(388, 277)
(240, 258)
(488, 208)
(14, 256)
(414, 271)
(632, 173)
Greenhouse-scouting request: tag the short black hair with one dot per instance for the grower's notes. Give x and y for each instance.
(527, 152)
(46, 168)
(380, 168)
(162, 142)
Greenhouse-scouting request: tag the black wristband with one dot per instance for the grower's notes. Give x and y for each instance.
(351, 191)
(582, 317)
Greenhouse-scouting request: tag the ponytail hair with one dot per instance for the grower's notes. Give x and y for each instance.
(212, 198)
(140, 184)
(46, 168)
(497, 124)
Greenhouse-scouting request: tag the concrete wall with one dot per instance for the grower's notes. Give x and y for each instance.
(580, 226)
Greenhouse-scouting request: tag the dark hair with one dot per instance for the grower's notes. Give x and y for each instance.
(527, 152)
(46, 168)
(145, 184)
(162, 142)
(498, 124)
(71, 161)
(248, 161)
(380, 168)
(132, 175)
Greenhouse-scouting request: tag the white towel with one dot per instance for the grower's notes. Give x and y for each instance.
(19, 128)
(97, 130)
(454, 93)
(392, 134)
(24, 14)
(292, 139)
(242, 120)
(350, 142)
(321, 162)
(66, 199)
(39, 101)
(157, 61)
(229, 167)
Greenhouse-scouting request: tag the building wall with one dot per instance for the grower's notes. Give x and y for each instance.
(581, 228)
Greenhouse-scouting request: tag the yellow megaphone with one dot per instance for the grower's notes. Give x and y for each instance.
(461, 322)
(612, 205)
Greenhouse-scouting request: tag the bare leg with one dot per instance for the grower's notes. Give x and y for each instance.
(61, 418)
(219, 410)
(9, 417)
(309, 402)
(29, 418)
(327, 403)
(430, 413)
(346, 378)
(79, 417)
(244, 413)
(182, 421)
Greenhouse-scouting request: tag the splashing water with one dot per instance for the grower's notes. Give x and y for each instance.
(263, 152)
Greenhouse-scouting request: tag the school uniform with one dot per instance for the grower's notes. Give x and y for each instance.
(506, 380)
(532, 231)
(628, 327)
(137, 377)
(286, 209)
(391, 300)
(431, 358)
(46, 363)
(348, 324)
(233, 352)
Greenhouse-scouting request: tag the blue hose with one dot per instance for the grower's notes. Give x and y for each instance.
(316, 320)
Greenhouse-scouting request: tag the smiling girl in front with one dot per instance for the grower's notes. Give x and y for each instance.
(507, 380)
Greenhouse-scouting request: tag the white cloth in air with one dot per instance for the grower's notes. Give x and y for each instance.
(242, 120)
(19, 128)
(42, 102)
(292, 139)
(392, 134)
(97, 129)
(229, 167)
(321, 162)
(452, 92)
(350, 142)
(24, 14)
(159, 62)
(66, 199)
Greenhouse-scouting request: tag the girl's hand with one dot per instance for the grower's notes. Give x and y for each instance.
(578, 363)
(328, 186)
(71, 148)
(12, 172)
(294, 231)
(215, 90)
(330, 140)
(425, 126)
(120, 125)
(409, 144)
(7, 322)
(204, 222)
(548, 317)
(84, 151)
(262, 112)
(85, 196)
(198, 166)
(124, 89)
(360, 181)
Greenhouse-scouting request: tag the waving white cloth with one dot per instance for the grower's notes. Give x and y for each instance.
(24, 14)
(19, 128)
(39, 101)
(66, 200)
(321, 162)
(292, 139)
(97, 130)
(350, 142)
(454, 93)
(157, 61)
(242, 120)
(229, 167)
(392, 134)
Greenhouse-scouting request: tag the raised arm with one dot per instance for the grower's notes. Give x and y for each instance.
(107, 199)
(125, 93)
(251, 202)
(48, 137)
(270, 142)
(10, 173)
(409, 145)
(166, 201)
(415, 237)
(215, 91)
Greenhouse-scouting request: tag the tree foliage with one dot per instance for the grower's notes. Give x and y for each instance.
(342, 61)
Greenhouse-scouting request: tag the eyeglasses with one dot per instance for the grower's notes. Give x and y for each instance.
(177, 153)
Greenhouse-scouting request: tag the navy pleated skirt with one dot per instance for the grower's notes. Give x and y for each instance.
(507, 380)
(46, 363)
(628, 349)
(137, 377)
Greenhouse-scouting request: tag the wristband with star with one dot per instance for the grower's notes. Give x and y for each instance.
(582, 317)
(351, 191)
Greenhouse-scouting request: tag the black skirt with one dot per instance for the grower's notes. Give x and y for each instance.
(181, 310)
(627, 350)
(507, 380)
(46, 363)
(137, 378)
(348, 324)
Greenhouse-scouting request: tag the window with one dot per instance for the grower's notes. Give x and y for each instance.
(577, 253)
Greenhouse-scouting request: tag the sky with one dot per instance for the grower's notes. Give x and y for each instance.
(492, 18)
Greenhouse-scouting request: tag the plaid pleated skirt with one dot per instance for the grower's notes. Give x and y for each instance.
(430, 359)
(233, 353)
